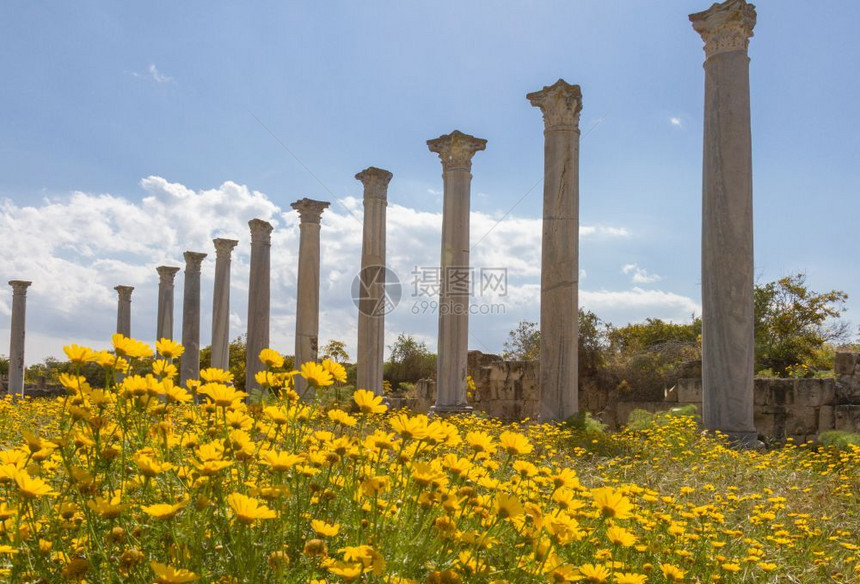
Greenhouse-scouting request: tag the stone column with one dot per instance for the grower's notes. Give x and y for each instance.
(164, 326)
(221, 303)
(455, 151)
(190, 360)
(371, 304)
(123, 310)
(560, 104)
(728, 354)
(258, 299)
(308, 286)
(16, 342)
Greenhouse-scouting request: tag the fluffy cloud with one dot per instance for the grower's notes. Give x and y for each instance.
(639, 275)
(76, 248)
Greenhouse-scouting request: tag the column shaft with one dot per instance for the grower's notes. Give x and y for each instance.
(164, 324)
(372, 302)
(728, 347)
(123, 310)
(16, 341)
(190, 360)
(221, 304)
(308, 287)
(259, 292)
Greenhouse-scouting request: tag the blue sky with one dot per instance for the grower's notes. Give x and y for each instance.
(98, 96)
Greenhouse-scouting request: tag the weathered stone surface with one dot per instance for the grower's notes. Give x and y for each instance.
(164, 324)
(455, 151)
(847, 418)
(847, 389)
(814, 392)
(308, 287)
(259, 297)
(689, 391)
(190, 360)
(846, 362)
(17, 335)
(826, 418)
(221, 303)
(727, 224)
(560, 104)
(372, 304)
(801, 420)
(123, 309)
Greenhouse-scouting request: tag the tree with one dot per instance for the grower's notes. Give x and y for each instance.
(410, 361)
(793, 323)
(523, 342)
(335, 350)
(236, 351)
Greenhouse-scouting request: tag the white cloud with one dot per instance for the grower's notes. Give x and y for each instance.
(153, 74)
(640, 275)
(76, 248)
(676, 121)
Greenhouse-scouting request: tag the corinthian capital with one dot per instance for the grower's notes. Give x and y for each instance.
(19, 287)
(261, 231)
(560, 104)
(124, 292)
(224, 247)
(456, 149)
(726, 26)
(166, 274)
(193, 259)
(310, 210)
(375, 181)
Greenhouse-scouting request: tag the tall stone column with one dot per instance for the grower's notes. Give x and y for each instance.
(221, 303)
(164, 325)
(258, 299)
(190, 360)
(308, 286)
(728, 348)
(371, 304)
(16, 342)
(560, 104)
(455, 150)
(123, 309)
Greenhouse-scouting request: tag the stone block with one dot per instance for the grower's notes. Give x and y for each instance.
(847, 418)
(761, 391)
(808, 392)
(764, 425)
(801, 420)
(848, 389)
(689, 390)
(781, 392)
(845, 362)
(826, 418)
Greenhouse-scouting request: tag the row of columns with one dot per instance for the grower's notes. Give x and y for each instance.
(727, 256)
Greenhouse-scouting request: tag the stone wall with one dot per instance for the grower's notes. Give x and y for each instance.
(796, 408)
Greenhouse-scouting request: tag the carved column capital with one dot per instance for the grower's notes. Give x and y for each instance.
(124, 292)
(310, 210)
(375, 181)
(261, 231)
(19, 287)
(560, 104)
(193, 259)
(166, 274)
(224, 247)
(456, 149)
(726, 26)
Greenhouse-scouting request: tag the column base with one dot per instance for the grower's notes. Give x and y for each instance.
(450, 410)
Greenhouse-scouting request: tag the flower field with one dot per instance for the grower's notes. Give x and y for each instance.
(141, 480)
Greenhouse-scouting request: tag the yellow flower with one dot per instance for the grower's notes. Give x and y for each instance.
(271, 358)
(766, 566)
(223, 395)
(165, 574)
(79, 355)
(480, 442)
(514, 443)
(342, 418)
(108, 508)
(316, 374)
(247, 509)
(336, 369)
(128, 347)
(216, 375)
(280, 461)
(164, 510)
(169, 349)
(368, 402)
(507, 506)
(672, 573)
(164, 368)
(630, 578)
(31, 487)
(414, 427)
(348, 572)
(323, 529)
(611, 503)
(620, 536)
(594, 573)
(731, 567)
(267, 378)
